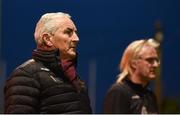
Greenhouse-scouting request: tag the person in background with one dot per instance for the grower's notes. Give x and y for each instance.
(49, 83)
(131, 94)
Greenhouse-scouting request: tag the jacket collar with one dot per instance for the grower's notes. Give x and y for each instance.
(45, 56)
(136, 87)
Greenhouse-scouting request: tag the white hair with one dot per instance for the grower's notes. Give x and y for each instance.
(48, 23)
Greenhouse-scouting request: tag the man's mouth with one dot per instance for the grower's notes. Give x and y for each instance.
(153, 71)
(72, 48)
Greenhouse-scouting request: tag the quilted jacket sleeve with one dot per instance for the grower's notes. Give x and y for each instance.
(21, 93)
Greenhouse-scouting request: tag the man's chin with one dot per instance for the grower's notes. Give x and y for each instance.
(72, 55)
(152, 77)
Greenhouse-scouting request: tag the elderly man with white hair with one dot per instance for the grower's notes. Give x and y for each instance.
(49, 83)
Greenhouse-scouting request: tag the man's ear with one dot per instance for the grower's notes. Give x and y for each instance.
(47, 39)
(133, 63)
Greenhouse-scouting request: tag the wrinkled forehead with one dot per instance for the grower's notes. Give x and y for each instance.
(64, 22)
(148, 51)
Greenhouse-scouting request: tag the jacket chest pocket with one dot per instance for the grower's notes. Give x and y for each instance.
(55, 79)
(49, 79)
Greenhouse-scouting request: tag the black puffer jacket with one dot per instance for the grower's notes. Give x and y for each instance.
(39, 86)
(130, 98)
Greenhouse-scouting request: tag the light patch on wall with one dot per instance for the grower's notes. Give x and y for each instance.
(92, 83)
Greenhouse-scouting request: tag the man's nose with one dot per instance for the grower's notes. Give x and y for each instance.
(75, 37)
(156, 63)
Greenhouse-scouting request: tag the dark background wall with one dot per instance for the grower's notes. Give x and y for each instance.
(105, 28)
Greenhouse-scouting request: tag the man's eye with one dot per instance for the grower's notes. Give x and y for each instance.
(151, 60)
(68, 32)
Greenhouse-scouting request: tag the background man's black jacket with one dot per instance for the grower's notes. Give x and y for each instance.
(130, 98)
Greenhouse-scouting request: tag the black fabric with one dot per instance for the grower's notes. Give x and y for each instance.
(130, 98)
(39, 86)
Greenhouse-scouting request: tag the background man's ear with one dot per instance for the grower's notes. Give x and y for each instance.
(46, 38)
(133, 64)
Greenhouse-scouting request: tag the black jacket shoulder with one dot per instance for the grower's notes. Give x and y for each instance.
(116, 100)
(22, 89)
(34, 88)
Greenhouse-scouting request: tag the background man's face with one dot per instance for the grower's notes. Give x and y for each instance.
(147, 63)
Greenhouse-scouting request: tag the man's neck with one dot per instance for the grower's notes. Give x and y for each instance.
(137, 80)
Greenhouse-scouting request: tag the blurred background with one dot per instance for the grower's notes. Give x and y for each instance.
(105, 28)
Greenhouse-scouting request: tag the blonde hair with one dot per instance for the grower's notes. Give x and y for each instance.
(131, 52)
(48, 23)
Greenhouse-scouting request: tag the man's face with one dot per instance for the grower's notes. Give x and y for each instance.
(148, 63)
(65, 39)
